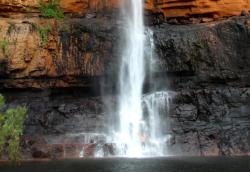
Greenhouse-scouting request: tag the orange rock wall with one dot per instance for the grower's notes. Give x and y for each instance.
(69, 6)
(171, 8)
(28, 60)
(25, 59)
(210, 8)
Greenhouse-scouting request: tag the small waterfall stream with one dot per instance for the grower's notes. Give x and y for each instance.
(155, 110)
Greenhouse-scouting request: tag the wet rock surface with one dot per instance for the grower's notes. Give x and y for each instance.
(208, 68)
(62, 123)
(211, 121)
(215, 53)
(60, 111)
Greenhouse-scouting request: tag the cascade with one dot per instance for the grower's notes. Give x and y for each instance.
(139, 127)
(132, 75)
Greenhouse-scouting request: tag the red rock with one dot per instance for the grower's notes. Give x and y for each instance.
(205, 8)
(28, 63)
(171, 8)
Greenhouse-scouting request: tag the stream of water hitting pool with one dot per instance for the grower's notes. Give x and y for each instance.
(139, 117)
(132, 75)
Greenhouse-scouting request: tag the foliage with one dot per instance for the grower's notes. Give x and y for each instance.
(11, 129)
(4, 46)
(43, 33)
(51, 9)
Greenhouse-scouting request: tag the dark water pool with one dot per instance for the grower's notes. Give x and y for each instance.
(176, 164)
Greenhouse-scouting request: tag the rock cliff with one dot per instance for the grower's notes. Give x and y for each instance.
(75, 48)
(171, 8)
(61, 78)
(199, 8)
(208, 67)
(30, 7)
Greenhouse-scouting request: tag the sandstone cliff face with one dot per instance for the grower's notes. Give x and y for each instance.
(73, 50)
(170, 8)
(199, 8)
(69, 6)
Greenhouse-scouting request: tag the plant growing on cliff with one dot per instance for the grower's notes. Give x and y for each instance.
(51, 9)
(44, 33)
(11, 129)
(4, 46)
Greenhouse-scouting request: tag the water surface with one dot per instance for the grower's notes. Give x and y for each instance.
(175, 164)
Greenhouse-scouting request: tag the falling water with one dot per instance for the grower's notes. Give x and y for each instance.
(132, 75)
(142, 118)
(156, 110)
(140, 131)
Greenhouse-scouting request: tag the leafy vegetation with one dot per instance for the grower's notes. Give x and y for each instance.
(11, 129)
(43, 33)
(51, 9)
(4, 46)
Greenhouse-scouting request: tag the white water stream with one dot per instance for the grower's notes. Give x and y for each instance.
(139, 127)
(141, 117)
(132, 75)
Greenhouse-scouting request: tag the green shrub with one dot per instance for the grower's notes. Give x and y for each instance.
(1, 101)
(44, 33)
(4, 46)
(11, 129)
(51, 9)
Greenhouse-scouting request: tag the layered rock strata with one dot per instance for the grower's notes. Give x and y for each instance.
(61, 80)
(205, 65)
(199, 8)
(206, 9)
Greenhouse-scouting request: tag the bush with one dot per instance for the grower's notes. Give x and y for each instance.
(51, 9)
(11, 129)
(43, 33)
(4, 46)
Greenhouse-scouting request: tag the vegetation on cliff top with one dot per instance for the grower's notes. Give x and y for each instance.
(11, 129)
(51, 9)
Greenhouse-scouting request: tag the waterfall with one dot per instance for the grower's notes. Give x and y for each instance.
(156, 109)
(132, 75)
(140, 117)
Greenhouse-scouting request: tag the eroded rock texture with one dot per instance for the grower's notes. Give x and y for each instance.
(206, 8)
(205, 65)
(82, 7)
(76, 51)
(208, 67)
